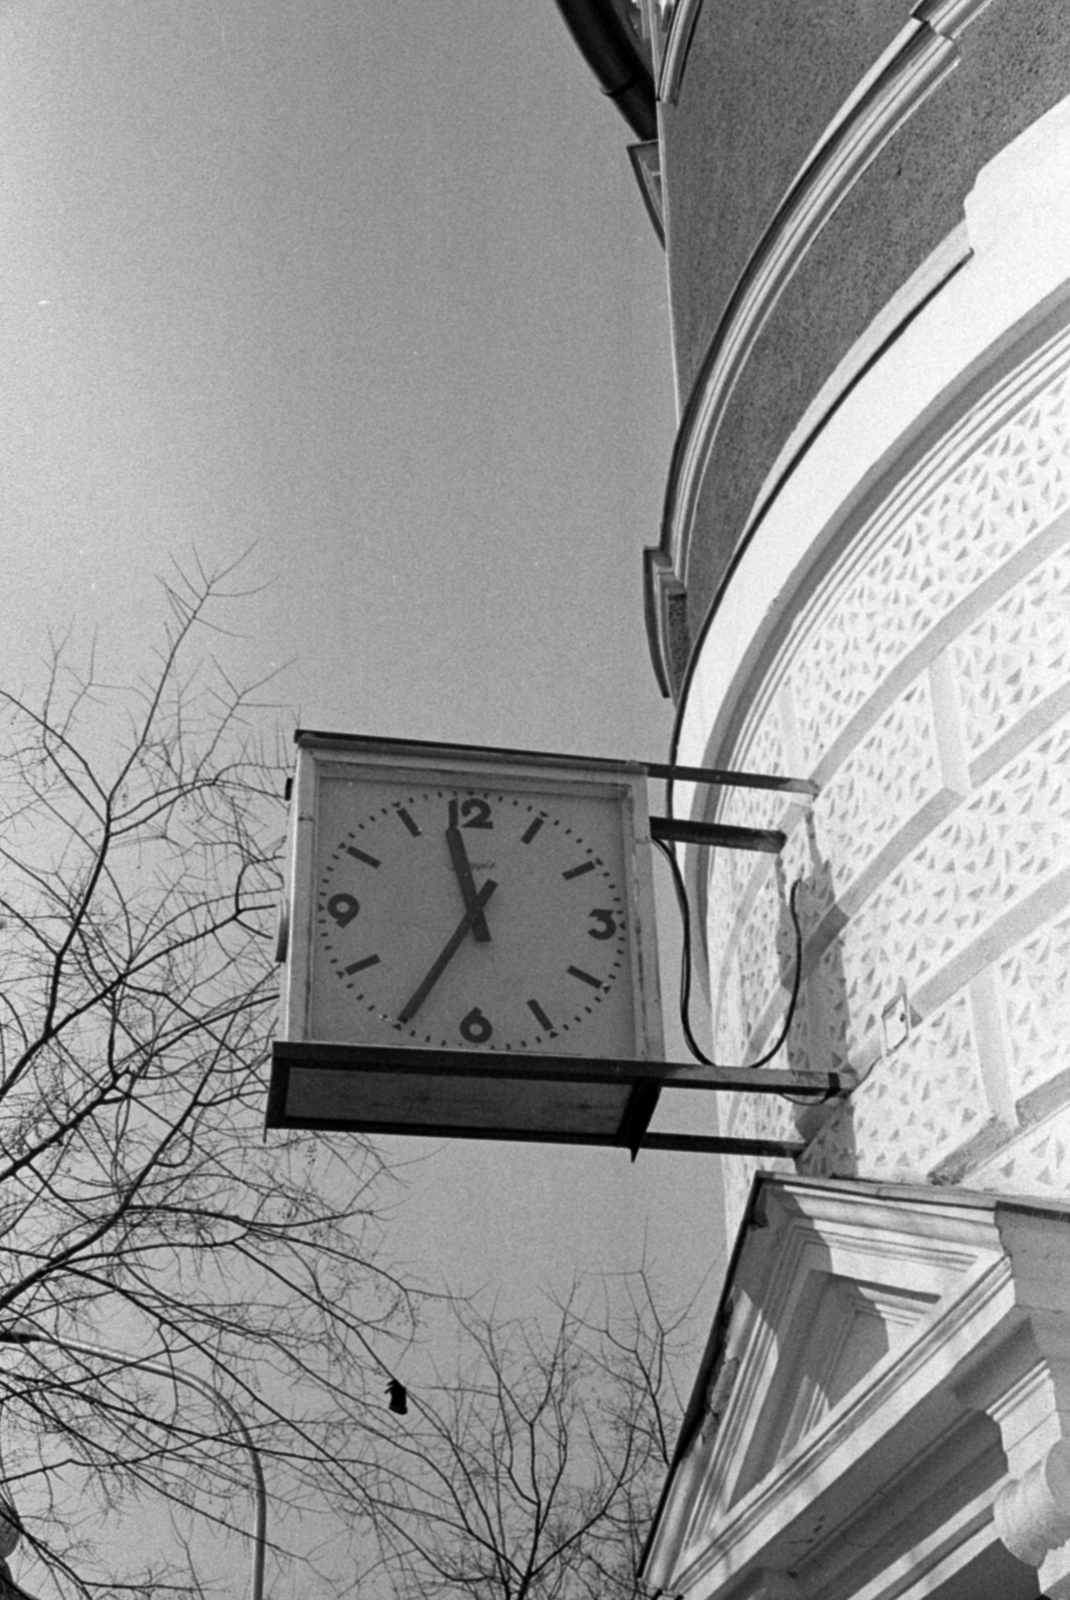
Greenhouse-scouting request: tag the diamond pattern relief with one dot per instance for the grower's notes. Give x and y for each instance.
(1016, 655)
(763, 952)
(753, 1116)
(880, 787)
(942, 830)
(1003, 842)
(728, 1038)
(915, 574)
(759, 808)
(1035, 979)
(1037, 1162)
(721, 903)
(919, 1104)
(829, 991)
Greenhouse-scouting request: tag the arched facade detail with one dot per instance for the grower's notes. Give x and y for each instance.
(762, 334)
(911, 653)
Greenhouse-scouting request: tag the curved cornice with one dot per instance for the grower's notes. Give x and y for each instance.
(917, 61)
(681, 29)
(1001, 322)
(914, 66)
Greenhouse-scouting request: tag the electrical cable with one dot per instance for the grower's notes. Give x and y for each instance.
(685, 975)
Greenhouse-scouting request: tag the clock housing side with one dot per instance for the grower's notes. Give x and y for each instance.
(646, 969)
(298, 906)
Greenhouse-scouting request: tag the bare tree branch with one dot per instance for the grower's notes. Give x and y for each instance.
(533, 1471)
(140, 832)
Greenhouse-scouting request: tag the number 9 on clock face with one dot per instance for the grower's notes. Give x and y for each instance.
(492, 917)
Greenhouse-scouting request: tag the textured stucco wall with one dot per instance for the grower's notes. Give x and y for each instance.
(762, 82)
(923, 680)
(748, 114)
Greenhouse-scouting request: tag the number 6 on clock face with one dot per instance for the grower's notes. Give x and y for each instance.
(473, 911)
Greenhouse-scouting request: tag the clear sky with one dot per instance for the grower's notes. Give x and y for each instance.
(365, 285)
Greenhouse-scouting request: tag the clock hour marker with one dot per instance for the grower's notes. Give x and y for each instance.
(540, 1016)
(343, 908)
(585, 977)
(358, 966)
(407, 819)
(361, 855)
(605, 924)
(526, 838)
(577, 872)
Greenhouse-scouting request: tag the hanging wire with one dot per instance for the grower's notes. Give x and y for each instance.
(685, 975)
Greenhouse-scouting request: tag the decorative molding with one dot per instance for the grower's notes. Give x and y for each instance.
(884, 458)
(892, 665)
(977, 769)
(1032, 1513)
(895, 1481)
(949, 17)
(681, 31)
(912, 297)
(718, 1396)
(1005, 313)
(665, 614)
(914, 65)
(899, 83)
(646, 164)
(1036, 1161)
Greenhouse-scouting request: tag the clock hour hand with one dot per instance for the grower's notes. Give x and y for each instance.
(449, 950)
(463, 868)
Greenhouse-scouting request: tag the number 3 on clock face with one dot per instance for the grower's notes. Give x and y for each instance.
(492, 918)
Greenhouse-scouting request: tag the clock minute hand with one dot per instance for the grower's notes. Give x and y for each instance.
(463, 868)
(449, 950)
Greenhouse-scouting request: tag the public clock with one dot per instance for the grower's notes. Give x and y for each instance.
(471, 903)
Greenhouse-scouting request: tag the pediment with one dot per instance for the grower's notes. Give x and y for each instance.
(798, 1368)
(831, 1286)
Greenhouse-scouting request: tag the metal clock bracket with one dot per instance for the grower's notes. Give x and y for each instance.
(674, 830)
(644, 1079)
(373, 1085)
(769, 841)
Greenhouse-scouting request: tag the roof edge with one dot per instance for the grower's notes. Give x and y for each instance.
(605, 45)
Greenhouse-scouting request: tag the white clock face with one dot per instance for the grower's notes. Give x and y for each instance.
(469, 917)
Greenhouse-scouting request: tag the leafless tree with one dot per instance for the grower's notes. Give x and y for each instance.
(140, 1207)
(532, 1473)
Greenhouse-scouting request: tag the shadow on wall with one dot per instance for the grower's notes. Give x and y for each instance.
(818, 1040)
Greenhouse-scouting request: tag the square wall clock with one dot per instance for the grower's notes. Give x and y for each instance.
(447, 903)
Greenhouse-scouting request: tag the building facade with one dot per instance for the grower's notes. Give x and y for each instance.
(863, 578)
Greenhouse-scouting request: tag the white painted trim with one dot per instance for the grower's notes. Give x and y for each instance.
(914, 65)
(950, 17)
(1018, 276)
(933, 273)
(666, 212)
(915, 1417)
(909, 71)
(681, 30)
(295, 993)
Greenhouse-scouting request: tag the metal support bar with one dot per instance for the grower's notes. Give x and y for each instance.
(757, 1080)
(496, 1064)
(720, 777)
(701, 1144)
(770, 841)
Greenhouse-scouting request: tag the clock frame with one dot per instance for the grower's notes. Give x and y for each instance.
(470, 943)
